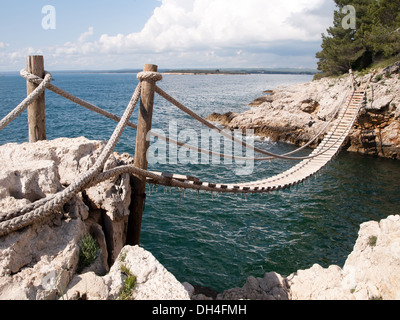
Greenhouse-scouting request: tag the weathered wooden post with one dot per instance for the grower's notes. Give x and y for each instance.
(142, 145)
(36, 110)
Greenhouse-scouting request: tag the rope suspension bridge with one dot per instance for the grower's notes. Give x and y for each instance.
(335, 132)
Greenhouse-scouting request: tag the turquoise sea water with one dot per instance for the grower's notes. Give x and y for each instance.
(220, 240)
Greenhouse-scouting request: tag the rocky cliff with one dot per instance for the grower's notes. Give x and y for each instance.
(295, 114)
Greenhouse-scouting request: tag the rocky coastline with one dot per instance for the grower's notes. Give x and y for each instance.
(42, 261)
(295, 114)
(371, 272)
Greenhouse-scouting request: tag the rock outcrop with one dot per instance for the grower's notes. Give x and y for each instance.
(371, 272)
(295, 114)
(271, 287)
(153, 281)
(41, 261)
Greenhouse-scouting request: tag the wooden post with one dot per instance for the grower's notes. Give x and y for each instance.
(36, 110)
(142, 145)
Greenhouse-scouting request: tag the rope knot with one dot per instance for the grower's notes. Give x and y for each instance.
(149, 76)
(33, 78)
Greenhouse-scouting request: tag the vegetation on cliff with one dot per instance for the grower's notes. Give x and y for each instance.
(374, 37)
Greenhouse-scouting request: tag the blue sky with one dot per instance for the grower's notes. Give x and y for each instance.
(121, 34)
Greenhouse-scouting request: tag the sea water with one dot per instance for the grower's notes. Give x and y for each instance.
(218, 240)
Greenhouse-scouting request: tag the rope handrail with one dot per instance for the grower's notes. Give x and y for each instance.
(37, 80)
(116, 118)
(156, 76)
(211, 126)
(271, 155)
(26, 102)
(40, 209)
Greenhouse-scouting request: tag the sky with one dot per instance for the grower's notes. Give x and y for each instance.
(126, 34)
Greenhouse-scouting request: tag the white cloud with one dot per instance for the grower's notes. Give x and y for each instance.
(188, 33)
(192, 24)
(83, 37)
(3, 45)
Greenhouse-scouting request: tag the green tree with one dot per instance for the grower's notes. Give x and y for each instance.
(384, 34)
(376, 35)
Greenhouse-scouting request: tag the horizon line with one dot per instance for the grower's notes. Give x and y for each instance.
(191, 69)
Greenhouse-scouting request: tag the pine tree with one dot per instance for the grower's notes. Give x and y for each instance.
(376, 35)
(384, 36)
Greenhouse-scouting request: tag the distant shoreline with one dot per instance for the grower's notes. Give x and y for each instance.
(240, 72)
(205, 73)
(233, 71)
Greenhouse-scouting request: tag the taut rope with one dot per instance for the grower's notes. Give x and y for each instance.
(41, 209)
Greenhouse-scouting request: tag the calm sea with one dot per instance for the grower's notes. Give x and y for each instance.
(219, 240)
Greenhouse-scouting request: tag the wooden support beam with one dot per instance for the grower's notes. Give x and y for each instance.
(142, 144)
(36, 110)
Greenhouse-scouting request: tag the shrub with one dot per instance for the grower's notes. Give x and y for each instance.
(89, 251)
(372, 241)
(129, 284)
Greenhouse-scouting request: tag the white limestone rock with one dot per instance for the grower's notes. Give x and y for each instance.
(371, 271)
(38, 261)
(374, 264)
(318, 283)
(153, 281)
(271, 287)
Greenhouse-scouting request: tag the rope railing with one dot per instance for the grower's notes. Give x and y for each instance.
(42, 208)
(157, 76)
(26, 102)
(162, 93)
(271, 155)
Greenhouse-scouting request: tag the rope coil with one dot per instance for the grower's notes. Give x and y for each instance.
(149, 76)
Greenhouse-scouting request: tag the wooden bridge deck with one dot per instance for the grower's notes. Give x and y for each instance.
(324, 153)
